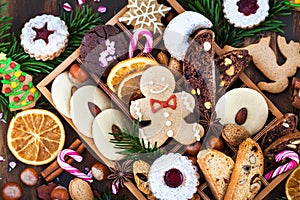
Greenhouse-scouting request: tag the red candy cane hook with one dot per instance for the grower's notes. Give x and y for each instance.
(287, 166)
(72, 170)
(135, 37)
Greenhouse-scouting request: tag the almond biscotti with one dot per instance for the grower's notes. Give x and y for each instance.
(217, 168)
(249, 166)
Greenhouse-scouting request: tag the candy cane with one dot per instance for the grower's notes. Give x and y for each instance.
(67, 7)
(72, 170)
(135, 37)
(287, 166)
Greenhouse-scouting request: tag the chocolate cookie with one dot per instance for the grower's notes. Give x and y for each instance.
(198, 68)
(101, 48)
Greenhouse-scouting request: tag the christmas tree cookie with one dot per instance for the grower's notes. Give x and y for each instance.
(17, 85)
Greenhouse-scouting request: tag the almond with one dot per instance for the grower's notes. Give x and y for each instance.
(241, 116)
(230, 71)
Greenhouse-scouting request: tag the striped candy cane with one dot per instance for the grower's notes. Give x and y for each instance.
(72, 170)
(134, 40)
(287, 166)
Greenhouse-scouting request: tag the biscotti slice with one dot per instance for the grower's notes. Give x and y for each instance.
(217, 168)
(199, 70)
(249, 166)
(231, 65)
(288, 142)
(284, 126)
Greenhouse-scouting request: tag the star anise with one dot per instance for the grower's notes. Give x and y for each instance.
(209, 120)
(121, 172)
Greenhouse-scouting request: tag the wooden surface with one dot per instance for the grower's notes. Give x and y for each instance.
(23, 10)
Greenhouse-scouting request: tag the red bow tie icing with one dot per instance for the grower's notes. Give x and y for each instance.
(163, 104)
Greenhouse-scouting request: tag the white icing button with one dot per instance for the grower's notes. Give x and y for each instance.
(170, 133)
(168, 123)
(166, 114)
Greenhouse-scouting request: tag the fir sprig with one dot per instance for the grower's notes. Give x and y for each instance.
(109, 196)
(78, 22)
(227, 33)
(129, 141)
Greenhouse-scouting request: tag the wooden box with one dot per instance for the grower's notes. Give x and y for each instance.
(203, 189)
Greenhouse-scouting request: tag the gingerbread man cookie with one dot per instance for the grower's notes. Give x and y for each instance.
(165, 109)
(17, 85)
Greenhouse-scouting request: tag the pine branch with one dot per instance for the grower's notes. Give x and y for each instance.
(108, 196)
(129, 141)
(228, 34)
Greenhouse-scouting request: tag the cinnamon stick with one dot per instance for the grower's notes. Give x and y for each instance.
(54, 165)
(59, 170)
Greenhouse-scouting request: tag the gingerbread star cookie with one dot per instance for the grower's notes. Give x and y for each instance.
(145, 14)
(165, 109)
(17, 85)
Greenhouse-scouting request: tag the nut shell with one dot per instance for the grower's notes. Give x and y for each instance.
(215, 143)
(29, 176)
(60, 193)
(193, 149)
(100, 171)
(12, 191)
(80, 190)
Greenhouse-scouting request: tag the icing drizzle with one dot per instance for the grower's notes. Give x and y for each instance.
(13, 85)
(137, 109)
(185, 99)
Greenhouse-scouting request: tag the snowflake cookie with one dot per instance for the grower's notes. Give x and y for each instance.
(145, 14)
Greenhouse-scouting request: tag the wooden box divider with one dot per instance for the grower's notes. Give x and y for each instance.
(75, 57)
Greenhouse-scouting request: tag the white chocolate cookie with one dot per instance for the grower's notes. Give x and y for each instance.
(245, 107)
(179, 30)
(102, 126)
(61, 93)
(80, 113)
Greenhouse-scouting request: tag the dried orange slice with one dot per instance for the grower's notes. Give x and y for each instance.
(125, 67)
(35, 136)
(129, 87)
(292, 185)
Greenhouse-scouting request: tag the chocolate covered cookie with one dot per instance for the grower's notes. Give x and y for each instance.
(101, 48)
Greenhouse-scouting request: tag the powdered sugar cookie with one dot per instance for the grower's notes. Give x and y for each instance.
(180, 29)
(243, 106)
(81, 101)
(165, 109)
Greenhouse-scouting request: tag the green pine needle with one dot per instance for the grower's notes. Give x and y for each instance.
(79, 22)
(129, 141)
(228, 34)
(109, 196)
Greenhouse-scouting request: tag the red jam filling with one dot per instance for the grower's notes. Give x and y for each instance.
(173, 178)
(247, 7)
(42, 33)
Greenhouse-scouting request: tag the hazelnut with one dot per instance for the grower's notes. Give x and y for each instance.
(100, 171)
(77, 74)
(12, 191)
(241, 116)
(60, 193)
(29, 176)
(215, 143)
(194, 160)
(193, 149)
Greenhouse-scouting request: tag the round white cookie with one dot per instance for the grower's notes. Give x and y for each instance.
(234, 100)
(61, 93)
(180, 28)
(80, 112)
(102, 126)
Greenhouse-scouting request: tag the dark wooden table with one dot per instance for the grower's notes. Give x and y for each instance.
(23, 10)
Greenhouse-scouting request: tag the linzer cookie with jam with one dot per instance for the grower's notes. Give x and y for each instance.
(101, 48)
(198, 68)
(231, 65)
